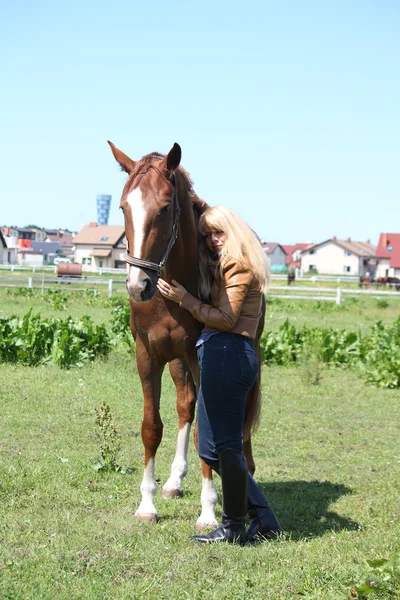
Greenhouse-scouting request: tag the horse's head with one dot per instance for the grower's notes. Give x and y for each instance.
(151, 211)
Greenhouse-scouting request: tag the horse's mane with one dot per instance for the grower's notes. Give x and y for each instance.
(150, 161)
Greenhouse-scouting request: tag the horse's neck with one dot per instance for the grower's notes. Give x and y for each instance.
(182, 264)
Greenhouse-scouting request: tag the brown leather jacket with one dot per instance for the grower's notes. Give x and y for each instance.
(235, 302)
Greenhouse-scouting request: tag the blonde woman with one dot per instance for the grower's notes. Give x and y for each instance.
(233, 277)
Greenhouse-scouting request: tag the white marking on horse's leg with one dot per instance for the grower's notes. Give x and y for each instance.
(179, 467)
(209, 499)
(147, 511)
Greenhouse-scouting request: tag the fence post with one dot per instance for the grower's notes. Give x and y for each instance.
(338, 295)
(110, 286)
(30, 282)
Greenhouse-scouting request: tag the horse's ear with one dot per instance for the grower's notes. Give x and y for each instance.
(126, 163)
(174, 158)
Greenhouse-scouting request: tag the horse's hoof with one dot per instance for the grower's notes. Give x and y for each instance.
(146, 517)
(200, 527)
(171, 493)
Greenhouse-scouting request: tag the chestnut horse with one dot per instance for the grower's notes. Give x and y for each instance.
(159, 204)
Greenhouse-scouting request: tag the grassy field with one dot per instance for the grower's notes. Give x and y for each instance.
(327, 456)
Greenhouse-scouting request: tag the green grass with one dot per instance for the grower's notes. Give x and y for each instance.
(327, 456)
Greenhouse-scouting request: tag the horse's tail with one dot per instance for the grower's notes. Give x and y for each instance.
(253, 402)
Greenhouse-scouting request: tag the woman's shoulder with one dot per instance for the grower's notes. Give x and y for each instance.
(231, 267)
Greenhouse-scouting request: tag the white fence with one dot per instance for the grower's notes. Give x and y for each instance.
(333, 294)
(292, 292)
(274, 277)
(56, 284)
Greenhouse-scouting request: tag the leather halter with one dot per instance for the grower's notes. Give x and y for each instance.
(158, 267)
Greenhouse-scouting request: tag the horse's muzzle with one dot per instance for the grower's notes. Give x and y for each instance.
(141, 289)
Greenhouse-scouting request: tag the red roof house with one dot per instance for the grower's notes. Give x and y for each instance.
(293, 254)
(388, 253)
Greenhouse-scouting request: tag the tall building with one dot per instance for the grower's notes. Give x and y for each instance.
(103, 208)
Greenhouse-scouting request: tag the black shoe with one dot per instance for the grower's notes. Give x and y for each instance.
(229, 531)
(233, 471)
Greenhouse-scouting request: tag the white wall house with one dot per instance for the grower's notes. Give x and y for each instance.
(100, 247)
(340, 257)
(8, 250)
(388, 253)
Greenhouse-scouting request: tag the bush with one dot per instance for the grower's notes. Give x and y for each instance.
(377, 355)
(31, 340)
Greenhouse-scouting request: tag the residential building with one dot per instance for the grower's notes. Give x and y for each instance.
(100, 247)
(277, 257)
(36, 234)
(293, 258)
(340, 257)
(48, 250)
(66, 240)
(388, 254)
(8, 250)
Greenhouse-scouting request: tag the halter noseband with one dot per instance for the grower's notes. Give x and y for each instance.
(158, 267)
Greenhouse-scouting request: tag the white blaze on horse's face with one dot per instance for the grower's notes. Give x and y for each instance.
(137, 280)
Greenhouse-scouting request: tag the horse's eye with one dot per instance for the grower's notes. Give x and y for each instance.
(164, 210)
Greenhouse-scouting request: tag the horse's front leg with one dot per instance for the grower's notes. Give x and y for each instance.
(185, 404)
(152, 429)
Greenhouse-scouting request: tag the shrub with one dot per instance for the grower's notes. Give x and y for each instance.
(31, 340)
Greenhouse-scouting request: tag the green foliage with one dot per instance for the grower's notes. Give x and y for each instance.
(57, 299)
(77, 342)
(120, 323)
(383, 580)
(27, 340)
(382, 303)
(281, 347)
(109, 438)
(31, 340)
(311, 358)
(381, 353)
(22, 291)
(376, 355)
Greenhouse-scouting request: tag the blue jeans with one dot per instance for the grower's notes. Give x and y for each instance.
(228, 369)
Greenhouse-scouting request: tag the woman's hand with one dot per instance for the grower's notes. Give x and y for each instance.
(172, 291)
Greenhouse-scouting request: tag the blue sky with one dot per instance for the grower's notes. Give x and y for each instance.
(286, 111)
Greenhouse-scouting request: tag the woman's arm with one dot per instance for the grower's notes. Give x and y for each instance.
(234, 288)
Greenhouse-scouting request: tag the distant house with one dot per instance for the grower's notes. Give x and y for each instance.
(100, 247)
(293, 258)
(8, 250)
(388, 254)
(3, 249)
(276, 255)
(65, 239)
(49, 251)
(35, 234)
(340, 257)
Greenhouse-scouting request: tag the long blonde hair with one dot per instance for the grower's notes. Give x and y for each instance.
(242, 245)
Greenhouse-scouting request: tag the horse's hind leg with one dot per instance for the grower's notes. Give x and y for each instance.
(185, 405)
(186, 401)
(152, 429)
(209, 497)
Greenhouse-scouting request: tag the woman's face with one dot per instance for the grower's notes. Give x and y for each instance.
(215, 241)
